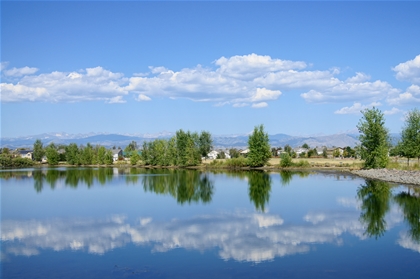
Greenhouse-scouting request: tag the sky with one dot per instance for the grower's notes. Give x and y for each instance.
(299, 68)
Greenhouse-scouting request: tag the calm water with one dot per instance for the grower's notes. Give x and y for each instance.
(131, 223)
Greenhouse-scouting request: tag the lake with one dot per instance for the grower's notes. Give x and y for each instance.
(139, 223)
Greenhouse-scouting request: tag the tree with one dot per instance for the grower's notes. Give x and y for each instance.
(410, 136)
(52, 154)
(286, 160)
(38, 150)
(305, 145)
(259, 147)
(374, 139)
(72, 154)
(205, 143)
(324, 153)
(134, 158)
(234, 153)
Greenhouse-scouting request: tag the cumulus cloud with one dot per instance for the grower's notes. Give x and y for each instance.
(241, 80)
(260, 105)
(409, 97)
(409, 70)
(17, 72)
(91, 84)
(392, 111)
(356, 108)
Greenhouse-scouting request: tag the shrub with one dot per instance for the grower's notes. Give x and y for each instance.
(286, 160)
(239, 162)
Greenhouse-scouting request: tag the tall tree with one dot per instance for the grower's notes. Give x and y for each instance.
(39, 151)
(72, 154)
(205, 143)
(374, 139)
(410, 136)
(52, 154)
(259, 147)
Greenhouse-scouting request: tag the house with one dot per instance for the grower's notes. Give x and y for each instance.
(26, 154)
(116, 154)
(300, 150)
(213, 154)
(244, 152)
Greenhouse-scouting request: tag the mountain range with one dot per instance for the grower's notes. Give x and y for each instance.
(227, 141)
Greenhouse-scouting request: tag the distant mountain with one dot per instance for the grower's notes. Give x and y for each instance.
(234, 141)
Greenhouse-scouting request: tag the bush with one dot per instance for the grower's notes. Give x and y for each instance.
(286, 160)
(239, 162)
(302, 164)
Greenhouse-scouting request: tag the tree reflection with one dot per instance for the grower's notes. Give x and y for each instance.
(286, 177)
(410, 205)
(375, 197)
(184, 185)
(259, 188)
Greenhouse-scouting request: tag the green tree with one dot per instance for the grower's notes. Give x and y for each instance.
(286, 160)
(134, 158)
(101, 155)
(374, 139)
(52, 154)
(305, 145)
(72, 154)
(205, 143)
(324, 153)
(259, 147)
(288, 149)
(38, 150)
(409, 146)
(234, 153)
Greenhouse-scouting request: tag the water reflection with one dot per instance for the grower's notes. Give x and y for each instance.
(410, 205)
(375, 197)
(184, 185)
(259, 188)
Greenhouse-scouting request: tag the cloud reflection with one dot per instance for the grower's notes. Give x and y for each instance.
(242, 236)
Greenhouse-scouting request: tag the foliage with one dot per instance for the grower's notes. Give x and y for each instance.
(374, 139)
(7, 161)
(52, 154)
(288, 149)
(134, 158)
(336, 153)
(410, 205)
(221, 155)
(38, 150)
(324, 153)
(305, 145)
(72, 154)
(234, 153)
(239, 162)
(259, 147)
(286, 160)
(132, 146)
(205, 143)
(108, 158)
(409, 146)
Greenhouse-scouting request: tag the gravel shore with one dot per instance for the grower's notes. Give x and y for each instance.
(397, 176)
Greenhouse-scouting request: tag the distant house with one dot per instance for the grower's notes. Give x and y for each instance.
(26, 154)
(116, 153)
(213, 154)
(300, 150)
(244, 152)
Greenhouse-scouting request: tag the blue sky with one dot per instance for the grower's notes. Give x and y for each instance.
(299, 68)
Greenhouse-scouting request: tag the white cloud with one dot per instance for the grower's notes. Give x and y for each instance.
(260, 105)
(409, 70)
(3, 65)
(409, 97)
(142, 97)
(116, 100)
(356, 108)
(392, 111)
(359, 77)
(17, 72)
(91, 84)
(247, 80)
